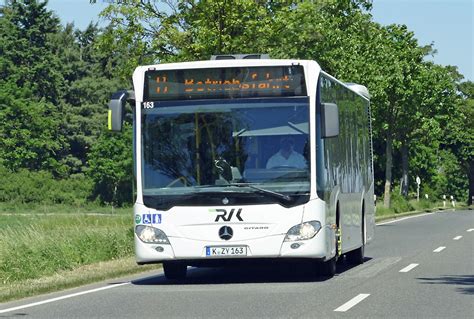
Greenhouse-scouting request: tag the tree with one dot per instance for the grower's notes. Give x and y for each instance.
(26, 28)
(30, 87)
(427, 113)
(460, 140)
(54, 87)
(90, 81)
(410, 98)
(110, 166)
(152, 31)
(29, 131)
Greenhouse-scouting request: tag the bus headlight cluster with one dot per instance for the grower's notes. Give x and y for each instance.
(306, 230)
(151, 235)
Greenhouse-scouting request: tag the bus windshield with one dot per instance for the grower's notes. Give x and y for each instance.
(191, 147)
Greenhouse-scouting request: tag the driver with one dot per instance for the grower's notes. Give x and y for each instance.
(286, 156)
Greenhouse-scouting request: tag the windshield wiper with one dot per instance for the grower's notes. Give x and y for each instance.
(260, 190)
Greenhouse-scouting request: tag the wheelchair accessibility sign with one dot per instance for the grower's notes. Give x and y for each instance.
(151, 218)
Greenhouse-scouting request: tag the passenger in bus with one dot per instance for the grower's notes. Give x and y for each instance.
(287, 156)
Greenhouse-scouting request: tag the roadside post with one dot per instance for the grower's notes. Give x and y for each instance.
(444, 201)
(418, 182)
(452, 201)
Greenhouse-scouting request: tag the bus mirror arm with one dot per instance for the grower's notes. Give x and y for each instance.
(330, 120)
(117, 109)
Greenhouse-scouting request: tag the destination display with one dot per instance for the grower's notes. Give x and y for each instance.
(218, 83)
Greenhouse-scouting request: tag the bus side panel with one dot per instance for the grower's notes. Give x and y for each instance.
(351, 221)
(344, 162)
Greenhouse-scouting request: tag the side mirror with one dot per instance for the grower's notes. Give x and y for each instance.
(117, 109)
(330, 120)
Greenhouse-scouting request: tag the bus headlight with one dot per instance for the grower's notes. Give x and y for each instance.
(306, 230)
(151, 235)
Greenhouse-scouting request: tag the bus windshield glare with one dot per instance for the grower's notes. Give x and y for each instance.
(217, 145)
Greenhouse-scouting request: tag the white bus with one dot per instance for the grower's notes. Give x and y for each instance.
(249, 159)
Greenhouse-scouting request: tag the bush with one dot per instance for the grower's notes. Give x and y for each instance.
(422, 204)
(450, 179)
(111, 167)
(399, 204)
(41, 187)
(380, 210)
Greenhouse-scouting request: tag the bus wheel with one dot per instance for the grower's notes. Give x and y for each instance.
(175, 270)
(328, 268)
(356, 257)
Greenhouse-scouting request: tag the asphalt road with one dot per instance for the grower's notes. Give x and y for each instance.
(407, 274)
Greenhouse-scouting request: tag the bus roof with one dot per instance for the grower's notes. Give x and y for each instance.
(224, 63)
(360, 89)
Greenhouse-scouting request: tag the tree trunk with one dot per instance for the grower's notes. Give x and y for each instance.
(404, 185)
(388, 171)
(114, 196)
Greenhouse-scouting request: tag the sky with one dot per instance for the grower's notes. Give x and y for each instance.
(448, 24)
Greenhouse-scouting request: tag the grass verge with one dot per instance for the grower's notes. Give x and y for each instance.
(72, 278)
(11, 208)
(36, 246)
(38, 243)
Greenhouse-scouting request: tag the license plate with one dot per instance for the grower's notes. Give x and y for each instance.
(226, 251)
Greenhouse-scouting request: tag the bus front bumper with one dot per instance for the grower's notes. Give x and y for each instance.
(265, 247)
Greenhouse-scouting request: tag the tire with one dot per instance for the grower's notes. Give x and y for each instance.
(175, 270)
(328, 268)
(356, 257)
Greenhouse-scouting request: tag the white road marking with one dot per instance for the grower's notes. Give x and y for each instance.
(470, 230)
(351, 303)
(408, 268)
(63, 297)
(437, 250)
(400, 219)
(457, 237)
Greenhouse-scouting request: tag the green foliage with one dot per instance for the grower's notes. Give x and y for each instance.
(25, 186)
(29, 131)
(450, 179)
(412, 100)
(400, 204)
(55, 82)
(110, 163)
(26, 29)
(90, 77)
(34, 208)
(31, 87)
(460, 141)
(423, 204)
(54, 87)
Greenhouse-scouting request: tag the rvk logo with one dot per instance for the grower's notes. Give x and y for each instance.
(226, 216)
